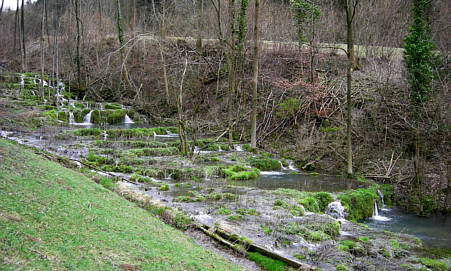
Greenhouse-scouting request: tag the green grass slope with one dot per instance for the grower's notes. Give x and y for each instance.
(53, 218)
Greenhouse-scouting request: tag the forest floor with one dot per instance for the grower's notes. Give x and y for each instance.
(56, 218)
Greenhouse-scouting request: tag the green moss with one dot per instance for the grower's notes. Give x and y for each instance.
(51, 115)
(95, 117)
(323, 199)
(316, 236)
(310, 204)
(112, 106)
(63, 116)
(364, 239)
(235, 217)
(224, 211)
(359, 203)
(296, 210)
(116, 116)
(164, 187)
(252, 212)
(266, 230)
(212, 147)
(281, 203)
(248, 148)
(266, 164)
(266, 263)
(341, 267)
(239, 172)
(154, 151)
(139, 179)
(88, 132)
(434, 265)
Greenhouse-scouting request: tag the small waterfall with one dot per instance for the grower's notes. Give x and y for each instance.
(281, 166)
(291, 166)
(376, 215)
(105, 135)
(22, 81)
(375, 209)
(87, 118)
(71, 118)
(219, 147)
(381, 195)
(336, 210)
(206, 177)
(128, 120)
(238, 148)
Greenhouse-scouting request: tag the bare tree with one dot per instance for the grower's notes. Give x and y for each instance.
(200, 25)
(1, 7)
(351, 6)
(22, 27)
(255, 79)
(41, 44)
(133, 16)
(78, 60)
(231, 61)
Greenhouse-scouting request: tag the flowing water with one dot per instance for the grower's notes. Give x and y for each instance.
(433, 231)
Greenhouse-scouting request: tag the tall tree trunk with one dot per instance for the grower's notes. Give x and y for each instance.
(232, 68)
(77, 19)
(16, 22)
(120, 30)
(182, 130)
(132, 17)
(200, 26)
(255, 79)
(99, 8)
(350, 12)
(1, 7)
(56, 45)
(42, 51)
(22, 27)
(312, 43)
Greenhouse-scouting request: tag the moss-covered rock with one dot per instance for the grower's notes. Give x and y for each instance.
(323, 198)
(116, 116)
(266, 164)
(239, 172)
(310, 204)
(95, 117)
(359, 203)
(63, 116)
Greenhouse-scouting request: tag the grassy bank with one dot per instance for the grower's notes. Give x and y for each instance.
(53, 218)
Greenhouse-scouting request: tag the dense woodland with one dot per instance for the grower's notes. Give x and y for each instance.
(194, 63)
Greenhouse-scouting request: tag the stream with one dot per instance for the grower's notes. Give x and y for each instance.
(434, 231)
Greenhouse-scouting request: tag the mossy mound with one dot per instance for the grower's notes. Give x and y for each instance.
(239, 172)
(359, 203)
(266, 164)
